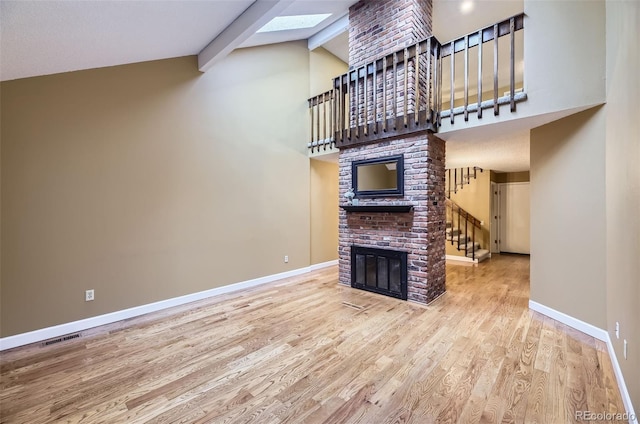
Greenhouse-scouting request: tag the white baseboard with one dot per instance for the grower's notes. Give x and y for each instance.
(461, 259)
(84, 324)
(626, 398)
(321, 265)
(599, 334)
(572, 322)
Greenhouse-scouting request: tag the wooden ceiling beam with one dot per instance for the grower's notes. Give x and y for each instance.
(251, 20)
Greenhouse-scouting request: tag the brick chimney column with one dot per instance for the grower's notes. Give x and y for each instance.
(377, 28)
(380, 27)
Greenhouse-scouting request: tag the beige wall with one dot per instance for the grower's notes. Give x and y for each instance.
(564, 54)
(324, 66)
(475, 198)
(324, 211)
(568, 216)
(150, 181)
(623, 186)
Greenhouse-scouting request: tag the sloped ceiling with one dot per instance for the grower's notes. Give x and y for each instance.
(47, 37)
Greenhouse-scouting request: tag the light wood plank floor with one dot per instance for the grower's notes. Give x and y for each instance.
(306, 350)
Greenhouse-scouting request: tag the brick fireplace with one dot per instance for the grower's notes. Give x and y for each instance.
(378, 28)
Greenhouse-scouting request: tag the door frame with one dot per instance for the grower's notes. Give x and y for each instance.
(494, 229)
(504, 218)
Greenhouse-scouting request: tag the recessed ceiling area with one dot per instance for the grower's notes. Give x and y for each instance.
(502, 153)
(502, 147)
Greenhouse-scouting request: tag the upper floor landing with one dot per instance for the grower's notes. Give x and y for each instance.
(416, 88)
(526, 70)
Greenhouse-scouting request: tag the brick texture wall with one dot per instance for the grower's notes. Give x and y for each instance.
(377, 28)
(421, 232)
(380, 27)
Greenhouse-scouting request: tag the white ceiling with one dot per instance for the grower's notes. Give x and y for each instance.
(499, 152)
(47, 37)
(502, 147)
(339, 46)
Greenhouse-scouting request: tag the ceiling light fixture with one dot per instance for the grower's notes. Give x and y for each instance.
(466, 6)
(285, 23)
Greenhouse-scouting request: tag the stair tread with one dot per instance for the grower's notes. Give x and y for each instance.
(480, 255)
(470, 246)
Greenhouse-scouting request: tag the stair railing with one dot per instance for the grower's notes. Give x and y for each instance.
(455, 214)
(459, 177)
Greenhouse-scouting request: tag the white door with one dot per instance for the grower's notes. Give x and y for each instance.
(514, 218)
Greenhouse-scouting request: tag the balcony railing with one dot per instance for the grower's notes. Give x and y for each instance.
(404, 92)
(321, 109)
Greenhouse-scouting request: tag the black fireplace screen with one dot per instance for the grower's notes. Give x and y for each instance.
(380, 271)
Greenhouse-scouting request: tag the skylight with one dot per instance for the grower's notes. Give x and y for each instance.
(284, 23)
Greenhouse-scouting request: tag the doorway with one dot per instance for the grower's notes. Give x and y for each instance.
(510, 213)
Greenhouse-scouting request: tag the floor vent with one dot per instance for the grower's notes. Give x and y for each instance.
(62, 339)
(352, 305)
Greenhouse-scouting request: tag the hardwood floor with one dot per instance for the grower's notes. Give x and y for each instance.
(305, 350)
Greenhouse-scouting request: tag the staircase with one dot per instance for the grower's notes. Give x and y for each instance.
(462, 227)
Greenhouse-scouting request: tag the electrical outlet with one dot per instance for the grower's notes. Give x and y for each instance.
(617, 330)
(89, 295)
(286, 259)
(624, 351)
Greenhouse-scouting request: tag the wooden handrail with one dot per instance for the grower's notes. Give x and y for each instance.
(503, 28)
(452, 180)
(322, 113)
(463, 213)
(320, 98)
(462, 229)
